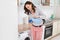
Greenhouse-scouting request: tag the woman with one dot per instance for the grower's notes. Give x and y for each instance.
(34, 14)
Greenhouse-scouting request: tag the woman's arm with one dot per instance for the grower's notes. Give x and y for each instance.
(29, 22)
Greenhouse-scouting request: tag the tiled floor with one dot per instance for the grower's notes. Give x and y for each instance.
(56, 38)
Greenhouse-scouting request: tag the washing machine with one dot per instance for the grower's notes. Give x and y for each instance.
(25, 35)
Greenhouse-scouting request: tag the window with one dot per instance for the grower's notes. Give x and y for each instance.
(45, 2)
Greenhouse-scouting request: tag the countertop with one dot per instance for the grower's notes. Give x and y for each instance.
(22, 27)
(49, 22)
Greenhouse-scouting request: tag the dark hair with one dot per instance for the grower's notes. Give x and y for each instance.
(26, 10)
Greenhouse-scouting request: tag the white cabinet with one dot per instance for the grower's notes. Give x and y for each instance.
(58, 24)
(55, 28)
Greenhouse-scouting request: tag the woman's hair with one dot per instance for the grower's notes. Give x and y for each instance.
(26, 10)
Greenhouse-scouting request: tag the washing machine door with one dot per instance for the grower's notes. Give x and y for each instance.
(27, 38)
(24, 36)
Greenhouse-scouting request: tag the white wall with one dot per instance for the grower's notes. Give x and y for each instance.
(8, 20)
(57, 12)
(21, 16)
(57, 9)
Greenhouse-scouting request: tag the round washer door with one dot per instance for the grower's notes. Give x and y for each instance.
(27, 38)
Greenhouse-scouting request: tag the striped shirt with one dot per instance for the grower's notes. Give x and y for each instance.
(37, 21)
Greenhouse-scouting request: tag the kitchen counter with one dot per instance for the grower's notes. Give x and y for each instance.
(49, 22)
(25, 27)
(22, 27)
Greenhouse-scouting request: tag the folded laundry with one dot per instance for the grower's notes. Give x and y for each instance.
(36, 21)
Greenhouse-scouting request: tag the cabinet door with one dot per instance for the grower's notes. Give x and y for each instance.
(58, 26)
(54, 28)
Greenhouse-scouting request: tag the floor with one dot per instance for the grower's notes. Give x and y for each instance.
(56, 38)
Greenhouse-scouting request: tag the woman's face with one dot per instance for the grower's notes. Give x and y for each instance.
(29, 6)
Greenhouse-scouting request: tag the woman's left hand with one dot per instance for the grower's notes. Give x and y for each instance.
(36, 16)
